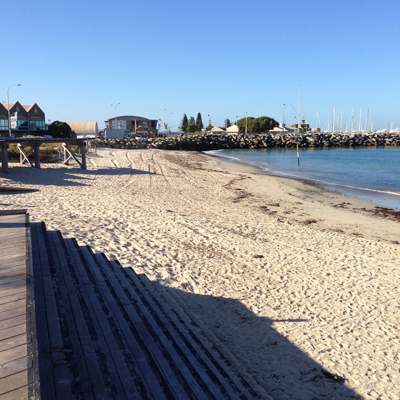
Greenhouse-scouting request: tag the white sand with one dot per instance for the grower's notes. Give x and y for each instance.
(292, 279)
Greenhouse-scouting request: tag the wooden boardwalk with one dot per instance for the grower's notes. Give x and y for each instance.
(102, 331)
(18, 359)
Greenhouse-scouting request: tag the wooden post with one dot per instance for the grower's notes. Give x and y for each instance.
(4, 157)
(83, 153)
(65, 155)
(37, 155)
(298, 156)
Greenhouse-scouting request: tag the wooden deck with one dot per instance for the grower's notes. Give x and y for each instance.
(18, 359)
(102, 331)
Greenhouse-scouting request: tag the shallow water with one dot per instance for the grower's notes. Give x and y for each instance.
(367, 173)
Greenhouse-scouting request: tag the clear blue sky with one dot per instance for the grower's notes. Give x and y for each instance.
(219, 58)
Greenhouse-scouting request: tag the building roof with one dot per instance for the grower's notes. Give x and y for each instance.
(129, 118)
(232, 129)
(216, 129)
(27, 107)
(85, 128)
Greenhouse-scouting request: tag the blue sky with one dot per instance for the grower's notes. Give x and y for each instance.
(219, 58)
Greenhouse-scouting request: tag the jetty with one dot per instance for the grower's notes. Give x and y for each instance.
(74, 324)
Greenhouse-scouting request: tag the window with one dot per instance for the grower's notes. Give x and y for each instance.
(22, 125)
(3, 124)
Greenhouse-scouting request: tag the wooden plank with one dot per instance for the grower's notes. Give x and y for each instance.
(108, 348)
(37, 155)
(175, 370)
(11, 291)
(227, 364)
(4, 157)
(13, 212)
(33, 370)
(15, 366)
(18, 304)
(13, 321)
(43, 342)
(13, 382)
(13, 331)
(5, 281)
(17, 394)
(8, 258)
(13, 353)
(11, 299)
(143, 366)
(17, 269)
(85, 348)
(201, 367)
(13, 342)
(58, 336)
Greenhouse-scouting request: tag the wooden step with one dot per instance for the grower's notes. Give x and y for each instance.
(176, 373)
(106, 333)
(230, 372)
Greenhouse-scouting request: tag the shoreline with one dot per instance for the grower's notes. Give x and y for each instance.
(379, 197)
(301, 285)
(339, 213)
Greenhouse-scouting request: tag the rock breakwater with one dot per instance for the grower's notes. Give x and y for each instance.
(262, 141)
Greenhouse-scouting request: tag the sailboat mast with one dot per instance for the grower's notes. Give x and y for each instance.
(333, 120)
(298, 115)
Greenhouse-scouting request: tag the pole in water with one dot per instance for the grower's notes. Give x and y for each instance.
(298, 156)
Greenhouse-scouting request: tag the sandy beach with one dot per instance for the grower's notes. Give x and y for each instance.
(301, 285)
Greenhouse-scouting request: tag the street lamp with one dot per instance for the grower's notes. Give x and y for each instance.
(112, 104)
(8, 106)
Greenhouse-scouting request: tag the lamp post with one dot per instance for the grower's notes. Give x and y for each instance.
(168, 120)
(246, 122)
(8, 106)
(283, 117)
(112, 104)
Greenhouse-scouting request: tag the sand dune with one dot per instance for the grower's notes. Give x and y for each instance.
(301, 285)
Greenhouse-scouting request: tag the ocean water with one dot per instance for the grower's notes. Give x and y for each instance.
(367, 173)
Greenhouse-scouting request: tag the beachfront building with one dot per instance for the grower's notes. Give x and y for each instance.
(232, 130)
(84, 130)
(217, 131)
(29, 119)
(134, 125)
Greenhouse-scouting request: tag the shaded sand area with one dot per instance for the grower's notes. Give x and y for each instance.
(302, 286)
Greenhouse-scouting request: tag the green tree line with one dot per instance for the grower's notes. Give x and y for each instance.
(257, 125)
(191, 125)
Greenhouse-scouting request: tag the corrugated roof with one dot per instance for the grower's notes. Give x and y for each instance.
(88, 128)
(129, 118)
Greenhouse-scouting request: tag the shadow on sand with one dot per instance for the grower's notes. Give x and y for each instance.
(63, 176)
(282, 369)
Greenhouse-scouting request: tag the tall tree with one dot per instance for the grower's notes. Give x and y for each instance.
(227, 123)
(192, 125)
(183, 127)
(59, 130)
(199, 123)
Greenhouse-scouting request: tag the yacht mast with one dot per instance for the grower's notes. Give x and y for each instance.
(298, 115)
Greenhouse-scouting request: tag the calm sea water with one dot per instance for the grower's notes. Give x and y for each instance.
(367, 173)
